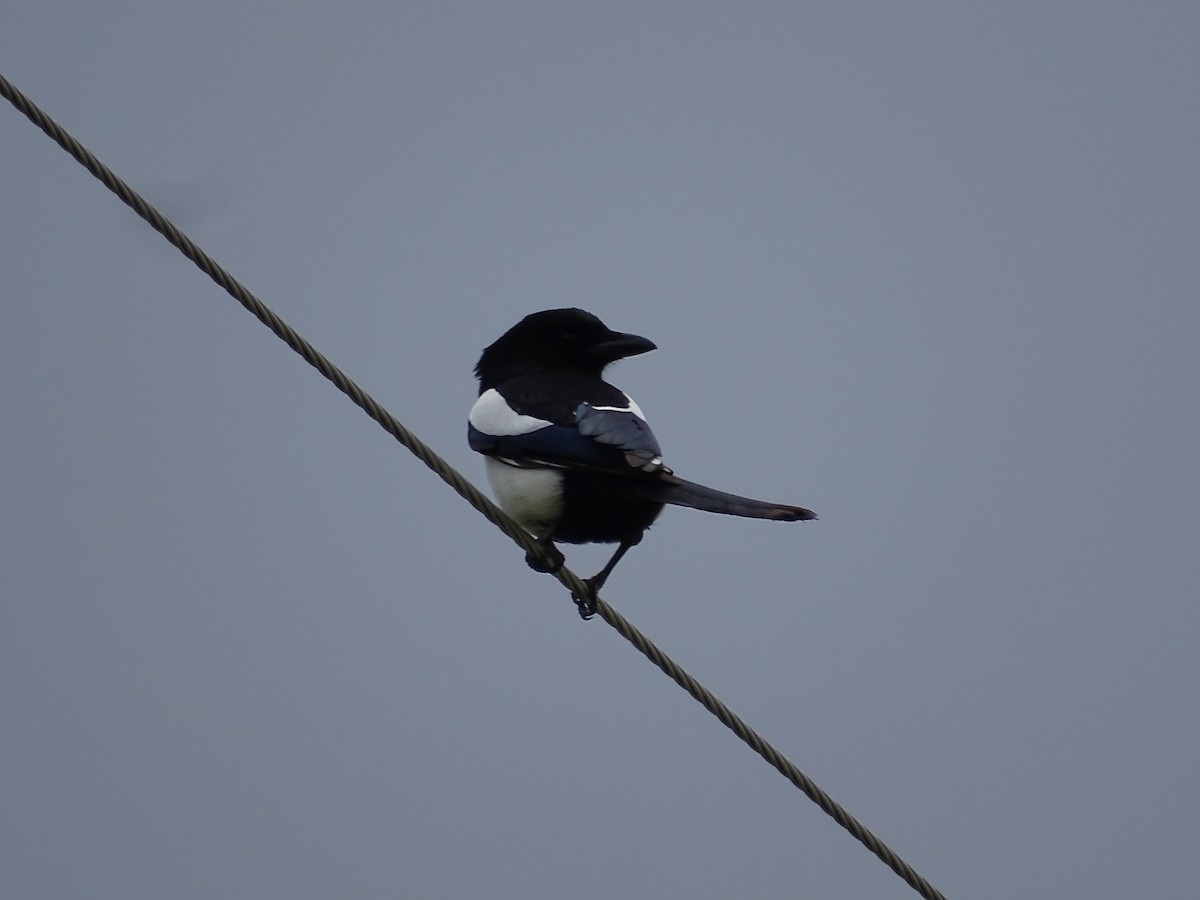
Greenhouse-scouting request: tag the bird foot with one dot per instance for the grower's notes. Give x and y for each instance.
(556, 559)
(587, 604)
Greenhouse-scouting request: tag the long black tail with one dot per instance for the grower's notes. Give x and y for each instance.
(674, 490)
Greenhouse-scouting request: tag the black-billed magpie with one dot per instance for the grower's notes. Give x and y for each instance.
(569, 456)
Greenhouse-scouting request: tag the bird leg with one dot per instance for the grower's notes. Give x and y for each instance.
(587, 605)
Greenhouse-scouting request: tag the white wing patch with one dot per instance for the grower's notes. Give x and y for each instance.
(632, 407)
(492, 415)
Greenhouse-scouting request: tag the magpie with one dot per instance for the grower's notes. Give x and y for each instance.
(570, 457)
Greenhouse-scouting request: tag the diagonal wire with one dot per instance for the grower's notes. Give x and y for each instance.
(464, 488)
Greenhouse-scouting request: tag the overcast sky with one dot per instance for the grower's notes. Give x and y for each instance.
(929, 269)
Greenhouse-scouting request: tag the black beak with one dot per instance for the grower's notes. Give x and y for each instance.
(619, 346)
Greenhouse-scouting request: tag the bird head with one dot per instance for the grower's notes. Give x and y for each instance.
(557, 338)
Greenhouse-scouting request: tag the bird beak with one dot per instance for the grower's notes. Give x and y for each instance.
(619, 346)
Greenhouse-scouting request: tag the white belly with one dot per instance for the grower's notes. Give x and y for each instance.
(531, 496)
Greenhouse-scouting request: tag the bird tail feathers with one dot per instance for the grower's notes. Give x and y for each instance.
(678, 492)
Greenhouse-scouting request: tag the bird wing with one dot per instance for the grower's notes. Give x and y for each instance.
(612, 438)
(624, 430)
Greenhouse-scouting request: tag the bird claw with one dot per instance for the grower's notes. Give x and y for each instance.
(586, 605)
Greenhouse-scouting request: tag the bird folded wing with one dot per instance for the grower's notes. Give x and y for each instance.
(602, 439)
(623, 429)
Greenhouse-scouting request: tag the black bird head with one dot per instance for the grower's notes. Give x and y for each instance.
(557, 339)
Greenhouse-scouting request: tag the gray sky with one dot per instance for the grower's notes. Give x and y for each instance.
(929, 269)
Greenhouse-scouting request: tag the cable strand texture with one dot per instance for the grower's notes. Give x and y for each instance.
(461, 485)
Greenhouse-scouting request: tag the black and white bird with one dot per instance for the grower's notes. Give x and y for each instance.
(569, 456)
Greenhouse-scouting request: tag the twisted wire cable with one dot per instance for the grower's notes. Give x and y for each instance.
(462, 486)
